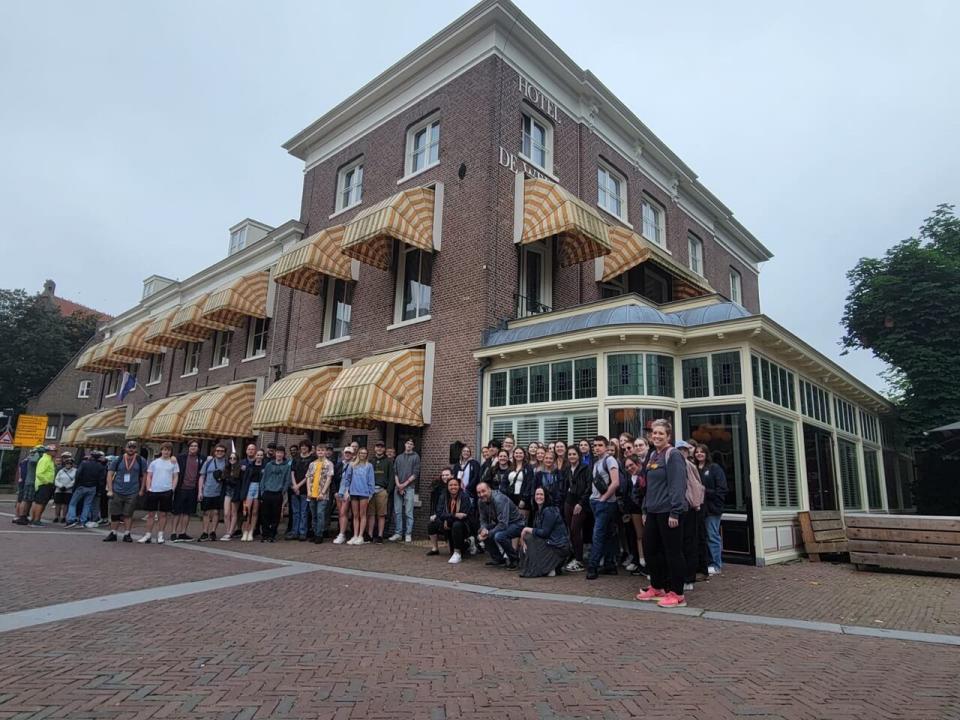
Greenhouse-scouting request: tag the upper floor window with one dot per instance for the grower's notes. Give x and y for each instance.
(414, 281)
(191, 358)
(536, 287)
(652, 228)
(773, 383)
(156, 368)
(537, 141)
(221, 348)
(257, 337)
(339, 309)
(111, 383)
(612, 192)
(695, 251)
(238, 240)
(350, 185)
(423, 146)
(736, 290)
(84, 390)
(51, 431)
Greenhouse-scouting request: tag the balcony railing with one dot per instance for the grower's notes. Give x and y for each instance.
(527, 306)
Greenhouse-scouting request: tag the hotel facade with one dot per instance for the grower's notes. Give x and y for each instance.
(489, 242)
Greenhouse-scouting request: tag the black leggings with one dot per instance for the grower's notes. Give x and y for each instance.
(694, 537)
(271, 505)
(663, 547)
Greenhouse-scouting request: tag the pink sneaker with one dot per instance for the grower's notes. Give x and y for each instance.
(672, 600)
(651, 593)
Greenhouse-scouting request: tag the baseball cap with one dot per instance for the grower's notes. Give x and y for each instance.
(683, 444)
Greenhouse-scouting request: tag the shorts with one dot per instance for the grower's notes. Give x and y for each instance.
(253, 492)
(378, 503)
(42, 494)
(158, 501)
(185, 502)
(61, 496)
(25, 492)
(122, 506)
(211, 503)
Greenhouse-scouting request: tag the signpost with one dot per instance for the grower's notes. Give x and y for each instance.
(6, 440)
(31, 430)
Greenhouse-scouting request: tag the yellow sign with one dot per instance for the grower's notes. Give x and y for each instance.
(31, 430)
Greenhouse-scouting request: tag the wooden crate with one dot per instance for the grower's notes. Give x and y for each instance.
(822, 533)
(922, 543)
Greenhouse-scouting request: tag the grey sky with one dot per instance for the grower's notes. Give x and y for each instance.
(132, 135)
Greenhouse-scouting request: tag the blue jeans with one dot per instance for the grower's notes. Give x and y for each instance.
(502, 546)
(318, 510)
(298, 514)
(714, 541)
(85, 495)
(403, 509)
(604, 546)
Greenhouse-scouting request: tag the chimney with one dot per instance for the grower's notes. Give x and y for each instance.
(49, 288)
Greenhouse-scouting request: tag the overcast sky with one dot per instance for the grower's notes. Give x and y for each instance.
(132, 135)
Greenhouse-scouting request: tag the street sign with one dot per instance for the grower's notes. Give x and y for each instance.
(31, 430)
(6, 440)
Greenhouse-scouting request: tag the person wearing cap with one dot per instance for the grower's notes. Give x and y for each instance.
(273, 486)
(89, 474)
(42, 485)
(341, 478)
(126, 476)
(63, 487)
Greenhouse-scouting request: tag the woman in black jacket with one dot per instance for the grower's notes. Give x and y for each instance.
(576, 505)
(520, 482)
(546, 545)
(714, 481)
(232, 478)
(452, 518)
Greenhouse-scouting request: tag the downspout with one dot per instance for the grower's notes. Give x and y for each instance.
(484, 364)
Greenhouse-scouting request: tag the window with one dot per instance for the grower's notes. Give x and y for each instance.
(660, 375)
(545, 428)
(869, 427)
(645, 279)
(537, 141)
(585, 378)
(635, 420)
(814, 402)
(652, 228)
(414, 281)
(536, 291)
(498, 389)
(540, 383)
(777, 450)
(518, 386)
(84, 390)
(726, 374)
(773, 383)
(155, 368)
(612, 192)
(544, 382)
(625, 374)
(238, 240)
(339, 309)
(849, 475)
(845, 415)
(111, 383)
(736, 289)
(191, 358)
(423, 146)
(257, 337)
(561, 381)
(51, 431)
(350, 185)
(695, 251)
(871, 468)
(696, 381)
(221, 348)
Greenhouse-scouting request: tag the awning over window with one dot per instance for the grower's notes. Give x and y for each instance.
(161, 333)
(222, 412)
(190, 322)
(407, 216)
(630, 249)
(141, 426)
(168, 423)
(294, 404)
(303, 267)
(131, 345)
(85, 361)
(550, 210)
(243, 298)
(381, 388)
(106, 359)
(104, 427)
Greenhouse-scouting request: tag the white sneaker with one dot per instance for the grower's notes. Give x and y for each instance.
(631, 567)
(687, 587)
(642, 563)
(713, 570)
(360, 540)
(90, 525)
(225, 538)
(552, 573)
(144, 539)
(454, 559)
(471, 546)
(408, 538)
(160, 540)
(340, 539)
(574, 566)
(394, 538)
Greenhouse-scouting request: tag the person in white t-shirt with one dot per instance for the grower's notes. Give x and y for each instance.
(162, 476)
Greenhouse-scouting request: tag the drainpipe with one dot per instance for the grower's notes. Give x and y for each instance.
(484, 364)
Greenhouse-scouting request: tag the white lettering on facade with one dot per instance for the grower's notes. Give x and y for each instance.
(518, 165)
(539, 99)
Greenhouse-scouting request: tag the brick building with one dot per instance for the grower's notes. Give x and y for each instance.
(491, 242)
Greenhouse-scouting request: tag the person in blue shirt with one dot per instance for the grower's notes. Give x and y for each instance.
(361, 487)
(546, 545)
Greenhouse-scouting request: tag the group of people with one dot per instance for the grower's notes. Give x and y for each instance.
(648, 503)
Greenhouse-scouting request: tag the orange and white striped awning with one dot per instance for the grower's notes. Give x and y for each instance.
(294, 404)
(73, 433)
(106, 359)
(131, 345)
(223, 412)
(142, 423)
(407, 216)
(631, 249)
(191, 323)
(380, 388)
(85, 361)
(168, 423)
(243, 298)
(161, 333)
(304, 267)
(109, 422)
(550, 210)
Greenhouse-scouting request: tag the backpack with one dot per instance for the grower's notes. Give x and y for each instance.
(695, 491)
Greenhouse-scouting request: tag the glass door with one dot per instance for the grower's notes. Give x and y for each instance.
(818, 455)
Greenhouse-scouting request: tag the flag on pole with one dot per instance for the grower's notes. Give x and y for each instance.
(127, 385)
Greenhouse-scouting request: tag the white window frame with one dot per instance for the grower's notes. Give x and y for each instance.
(238, 240)
(252, 353)
(398, 318)
(356, 188)
(604, 191)
(660, 214)
(329, 309)
(221, 346)
(695, 254)
(531, 116)
(83, 391)
(425, 124)
(542, 249)
(192, 350)
(112, 383)
(156, 363)
(736, 286)
(51, 433)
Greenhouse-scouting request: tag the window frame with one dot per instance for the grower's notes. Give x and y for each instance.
(155, 361)
(192, 350)
(543, 249)
(111, 383)
(401, 280)
(251, 352)
(791, 490)
(353, 166)
(695, 243)
(736, 286)
(528, 114)
(238, 240)
(221, 345)
(52, 432)
(83, 389)
(426, 124)
(660, 213)
(621, 180)
(330, 303)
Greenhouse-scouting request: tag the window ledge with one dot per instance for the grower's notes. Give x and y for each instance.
(412, 321)
(220, 366)
(654, 242)
(335, 341)
(254, 357)
(414, 174)
(110, 395)
(619, 219)
(533, 165)
(341, 211)
(189, 374)
(154, 382)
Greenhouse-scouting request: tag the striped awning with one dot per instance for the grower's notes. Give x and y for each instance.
(243, 298)
(168, 423)
(161, 334)
(85, 361)
(550, 210)
(631, 249)
(130, 345)
(223, 412)
(380, 388)
(190, 322)
(142, 424)
(106, 359)
(74, 431)
(294, 404)
(109, 419)
(304, 267)
(407, 216)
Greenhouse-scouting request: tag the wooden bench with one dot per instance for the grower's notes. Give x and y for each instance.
(921, 543)
(822, 533)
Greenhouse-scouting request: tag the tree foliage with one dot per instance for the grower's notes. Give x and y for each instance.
(37, 342)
